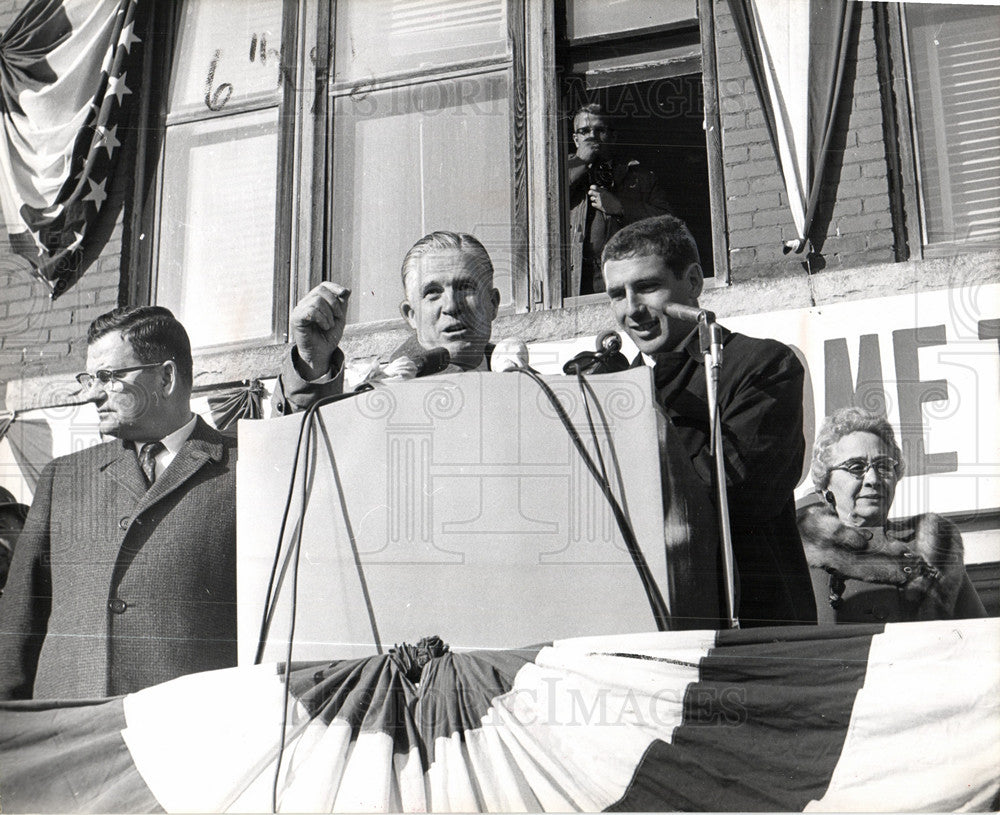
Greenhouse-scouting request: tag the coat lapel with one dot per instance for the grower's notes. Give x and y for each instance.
(122, 468)
(202, 446)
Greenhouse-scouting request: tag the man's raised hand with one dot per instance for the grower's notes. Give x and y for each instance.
(318, 322)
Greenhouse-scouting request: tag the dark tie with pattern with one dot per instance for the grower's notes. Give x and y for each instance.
(147, 459)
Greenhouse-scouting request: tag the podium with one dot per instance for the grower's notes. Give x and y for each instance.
(458, 506)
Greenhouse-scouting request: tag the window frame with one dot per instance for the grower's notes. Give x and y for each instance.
(908, 178)
(705, 64)
(164, 24)
(521, 273)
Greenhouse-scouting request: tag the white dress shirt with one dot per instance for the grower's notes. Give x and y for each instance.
(172, 445)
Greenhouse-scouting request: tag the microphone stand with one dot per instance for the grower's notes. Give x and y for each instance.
(710, 337)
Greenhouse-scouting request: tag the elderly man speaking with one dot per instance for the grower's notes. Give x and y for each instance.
(450, 302)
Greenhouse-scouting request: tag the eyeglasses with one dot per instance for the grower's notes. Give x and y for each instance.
(108, 375)
(597, 130)
(884, 466)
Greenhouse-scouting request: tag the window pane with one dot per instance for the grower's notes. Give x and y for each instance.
(594, 18)
(227, 54)
(378, 37)
(412, 160)
(955, 62)
(216, 255)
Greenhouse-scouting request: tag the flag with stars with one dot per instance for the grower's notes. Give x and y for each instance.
(67, 71)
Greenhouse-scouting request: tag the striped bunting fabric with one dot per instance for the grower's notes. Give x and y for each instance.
(798, 51)
(852, 718)
(66, 79)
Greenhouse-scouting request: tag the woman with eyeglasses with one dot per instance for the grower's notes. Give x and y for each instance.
(866, 568)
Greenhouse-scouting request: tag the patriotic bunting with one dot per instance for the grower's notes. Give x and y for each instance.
(66, 79)
(797, 50)
(245, 402)
(904, 717)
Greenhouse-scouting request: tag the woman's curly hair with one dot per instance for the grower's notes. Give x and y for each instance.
(839, 424)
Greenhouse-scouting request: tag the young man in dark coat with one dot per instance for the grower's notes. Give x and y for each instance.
(125, 573)
(647, 266)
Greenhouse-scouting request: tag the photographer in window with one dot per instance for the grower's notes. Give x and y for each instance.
(606, 192)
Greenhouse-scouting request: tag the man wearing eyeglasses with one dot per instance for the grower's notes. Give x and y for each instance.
(606, 192)
(125, 573)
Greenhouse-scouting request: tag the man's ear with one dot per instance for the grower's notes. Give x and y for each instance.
(408, 314)
(695, 278)
(169, 381)
(494, 304)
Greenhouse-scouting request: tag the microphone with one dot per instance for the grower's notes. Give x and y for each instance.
(691, 314)
(409, 361)
(607, 359)
(609, 342)
(714, 338)
(509, 354)
(428, 361)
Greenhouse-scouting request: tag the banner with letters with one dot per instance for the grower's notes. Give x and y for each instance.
(930, 361)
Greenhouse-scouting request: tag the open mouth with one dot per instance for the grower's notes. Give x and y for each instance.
(645, 330)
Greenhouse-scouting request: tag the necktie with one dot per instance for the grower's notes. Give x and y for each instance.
(147, 459)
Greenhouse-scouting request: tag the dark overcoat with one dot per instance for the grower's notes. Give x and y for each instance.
(760, 400)
(114, 587)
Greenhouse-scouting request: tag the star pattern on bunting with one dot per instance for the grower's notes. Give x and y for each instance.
(128, 38)
(109, 138)
(117, 88)
(52, 235)
(96, 194)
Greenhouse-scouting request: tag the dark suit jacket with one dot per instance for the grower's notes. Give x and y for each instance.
(760, 396)
(114, 588)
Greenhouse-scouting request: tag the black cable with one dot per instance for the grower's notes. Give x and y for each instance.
(590, 423)
(352, 538)
(656, 604)
(309, 424)
(587, 389)
(287, 691)
(270, 599)
(272, 587)
(307, 430)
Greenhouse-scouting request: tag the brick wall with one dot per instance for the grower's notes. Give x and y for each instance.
(854, 209)
(39, 336)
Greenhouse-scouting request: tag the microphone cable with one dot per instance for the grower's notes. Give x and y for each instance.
(656, 603)
(306, 430)
(304, 450)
